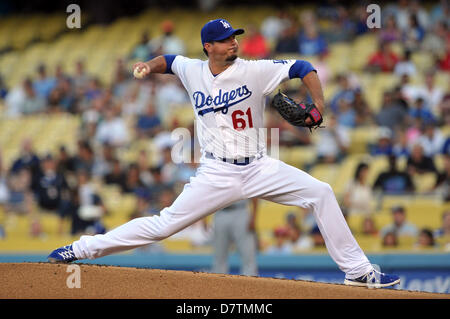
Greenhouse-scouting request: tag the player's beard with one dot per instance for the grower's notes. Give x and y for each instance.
(231, 58)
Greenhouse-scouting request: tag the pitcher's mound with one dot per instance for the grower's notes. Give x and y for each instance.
(44, 280)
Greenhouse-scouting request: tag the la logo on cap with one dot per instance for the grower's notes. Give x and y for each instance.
(225, 24)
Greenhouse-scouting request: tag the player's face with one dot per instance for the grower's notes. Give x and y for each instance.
(226, 49)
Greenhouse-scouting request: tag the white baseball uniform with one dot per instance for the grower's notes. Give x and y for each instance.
(229, 110)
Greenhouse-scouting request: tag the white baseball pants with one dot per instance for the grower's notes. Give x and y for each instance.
(216, 185)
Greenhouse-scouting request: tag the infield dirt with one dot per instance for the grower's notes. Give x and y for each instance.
(44, 280)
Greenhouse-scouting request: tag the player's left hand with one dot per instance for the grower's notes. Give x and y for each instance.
(297, 114)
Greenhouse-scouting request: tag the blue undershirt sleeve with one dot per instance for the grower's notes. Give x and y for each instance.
(300, 69)
(169, 60)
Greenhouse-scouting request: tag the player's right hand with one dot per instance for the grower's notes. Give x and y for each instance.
(142, 67)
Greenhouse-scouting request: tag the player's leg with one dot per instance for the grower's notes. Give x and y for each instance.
(278, 182)
(245, 243)
(221, 242)
(210, 190)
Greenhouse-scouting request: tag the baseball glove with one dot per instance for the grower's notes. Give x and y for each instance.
(295, 113)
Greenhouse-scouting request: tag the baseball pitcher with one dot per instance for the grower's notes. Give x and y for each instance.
(228, 95)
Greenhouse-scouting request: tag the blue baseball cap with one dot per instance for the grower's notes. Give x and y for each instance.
(219, 29)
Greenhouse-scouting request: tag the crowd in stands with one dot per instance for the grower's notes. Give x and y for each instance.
(410, 119)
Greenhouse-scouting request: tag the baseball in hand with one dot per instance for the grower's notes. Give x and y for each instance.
(139, 74)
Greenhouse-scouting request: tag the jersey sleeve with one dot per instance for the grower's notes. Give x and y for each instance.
(178, 66)
(273, 72)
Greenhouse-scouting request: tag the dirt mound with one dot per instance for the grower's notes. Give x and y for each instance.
(44, 280)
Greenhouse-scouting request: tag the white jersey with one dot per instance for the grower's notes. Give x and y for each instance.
(229, 107)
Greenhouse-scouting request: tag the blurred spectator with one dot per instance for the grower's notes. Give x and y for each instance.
(364, 114)
(392, 113)
(358, 197)
(20, 198)
(65, 163)
(169, 93)
(282, 245)
(168, 42)
(132, 182)
(425, 239)
(93, 89)
(420, 111)
(50, 189)
(122, 80)
(432, 94)
(103, 161)
(390, 240)
(333, 142)
(112, 129)
(81, 78)
(142, 51)
(23, 100)
(143, 205)
(394, 181)
(384, 144)
(89, 209)
(368, 227)
(383, 60)
(148, 124)
(440, 11)
(50, 185)
(345, 91)
(390, 31)
(414, 34)
(134, 101)
(405, 66)
(317, 237)
(85, 158)
(253, 45)
(444, 59)
(414, 130)
(116, 175)
(33, 102)
(299, 240)
(401, 146)
(15, 99)
(311, 42)
(400, 226)
(346, 113)
(431, 140)
(288, 41)
(361, 16)
(273, 26)
(158, 185)
(419, 163)
(323, 70)
(28, 159)
(143, 163)
(168, 167)
(435, 40)
(44, 84)
(54, 101)
(67, 97)
(421, 13)
(341, 28)
(442, 185)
